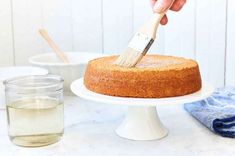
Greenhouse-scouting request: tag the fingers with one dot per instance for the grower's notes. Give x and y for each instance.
(161, 5)
(177, 5)
(164, 20)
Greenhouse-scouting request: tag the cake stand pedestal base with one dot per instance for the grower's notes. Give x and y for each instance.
(142, 123)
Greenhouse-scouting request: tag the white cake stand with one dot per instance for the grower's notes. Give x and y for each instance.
(142, 121)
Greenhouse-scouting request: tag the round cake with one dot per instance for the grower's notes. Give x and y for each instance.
(155, 76)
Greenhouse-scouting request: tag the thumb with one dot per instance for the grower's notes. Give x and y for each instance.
(162, 5)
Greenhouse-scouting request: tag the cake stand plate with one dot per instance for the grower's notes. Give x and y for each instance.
(142, 121)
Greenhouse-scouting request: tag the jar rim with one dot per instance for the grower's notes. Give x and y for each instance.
(14, 82)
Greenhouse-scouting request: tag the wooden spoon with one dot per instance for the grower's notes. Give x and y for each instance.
(53, 46)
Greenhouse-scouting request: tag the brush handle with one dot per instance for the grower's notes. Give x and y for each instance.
(53, 46)
(150, 28)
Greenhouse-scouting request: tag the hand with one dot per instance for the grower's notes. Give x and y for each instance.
(160, 6)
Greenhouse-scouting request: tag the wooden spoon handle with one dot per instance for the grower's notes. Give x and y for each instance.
(53, 46)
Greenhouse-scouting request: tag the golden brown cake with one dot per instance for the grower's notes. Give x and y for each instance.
(155, 76)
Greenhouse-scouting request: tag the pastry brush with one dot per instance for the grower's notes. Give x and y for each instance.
(140, 43)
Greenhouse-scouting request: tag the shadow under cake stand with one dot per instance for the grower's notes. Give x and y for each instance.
(142, 121)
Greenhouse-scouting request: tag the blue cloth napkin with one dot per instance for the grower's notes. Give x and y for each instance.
(216, 112)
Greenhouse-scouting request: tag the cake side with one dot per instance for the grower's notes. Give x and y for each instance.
(174, 79)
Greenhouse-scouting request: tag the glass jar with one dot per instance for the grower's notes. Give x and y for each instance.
(35, 110)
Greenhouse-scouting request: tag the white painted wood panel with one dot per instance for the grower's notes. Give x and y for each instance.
(180, 32)
(117, 25)
(6, 45)
(57, 20)
(27, 19)
(210, 39)
(142, 12)
(230, 59)
(198, 31)
(87, 25)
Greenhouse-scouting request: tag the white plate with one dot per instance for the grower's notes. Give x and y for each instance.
(11, 72)
(79, 89)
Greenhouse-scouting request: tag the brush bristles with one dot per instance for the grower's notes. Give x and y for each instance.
(129, 58)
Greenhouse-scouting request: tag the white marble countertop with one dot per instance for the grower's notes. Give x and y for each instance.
(89, 130)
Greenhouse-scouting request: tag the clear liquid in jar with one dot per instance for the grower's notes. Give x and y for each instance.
(35, 121)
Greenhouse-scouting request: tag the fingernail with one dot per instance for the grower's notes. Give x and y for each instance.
(159, 7)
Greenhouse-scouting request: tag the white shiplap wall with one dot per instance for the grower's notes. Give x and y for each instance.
(230, 44)
(6, 41)
(210, 39)
(204, 30)
(87, 25)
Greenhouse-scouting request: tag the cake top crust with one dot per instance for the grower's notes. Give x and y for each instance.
(148, 63)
